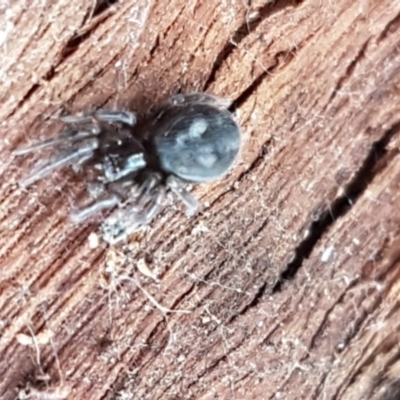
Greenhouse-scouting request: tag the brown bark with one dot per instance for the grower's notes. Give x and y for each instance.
(286, 285)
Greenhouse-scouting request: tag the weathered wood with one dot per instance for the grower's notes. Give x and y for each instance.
(286, 284)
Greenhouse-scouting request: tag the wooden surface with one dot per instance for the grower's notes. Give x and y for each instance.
(286, 285)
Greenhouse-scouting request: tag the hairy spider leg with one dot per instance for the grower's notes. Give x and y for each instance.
(154, 206)
(67, 135)
(177, 186)
(80, 214)
(76, 167)
(149, 198)
(126, 117)
(109, 201)
(120, 225)
(102, 115)
(131, 164)
(85, 149)
(73, 134)
(145, 189)
(143, 205)
(200, 98)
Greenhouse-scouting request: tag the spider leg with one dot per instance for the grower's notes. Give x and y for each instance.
(81, 214)
(72, 134)
(178, 188)
(141, 195)
(67, 135)
(126, 117)
(75, 155)
(203, 98)
(130, 165)
(76, 167)
(152, 207)
(147, 200)
(144, 205)
(102, 115)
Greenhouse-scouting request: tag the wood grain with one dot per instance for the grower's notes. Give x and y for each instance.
(286, 284)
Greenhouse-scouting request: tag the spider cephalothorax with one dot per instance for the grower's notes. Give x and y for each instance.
(189, 139)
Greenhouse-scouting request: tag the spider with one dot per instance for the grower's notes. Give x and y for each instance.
(189, 139)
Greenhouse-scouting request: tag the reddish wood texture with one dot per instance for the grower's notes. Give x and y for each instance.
(286, 284)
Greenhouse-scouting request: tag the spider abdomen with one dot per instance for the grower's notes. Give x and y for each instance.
(196, 142)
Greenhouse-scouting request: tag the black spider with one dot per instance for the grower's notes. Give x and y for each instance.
(190, 139)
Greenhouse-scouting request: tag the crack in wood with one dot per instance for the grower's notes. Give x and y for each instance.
(102, 6)
(244, 30)
(341, 205)
(95, 76)
(328, 312)
(349, 70)
(358, 324)
(391, 391)
(216, 362)
(33, 89)
(393, 24)
(319, 388)
(98, 16)
(365, 360)
(338, 208)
